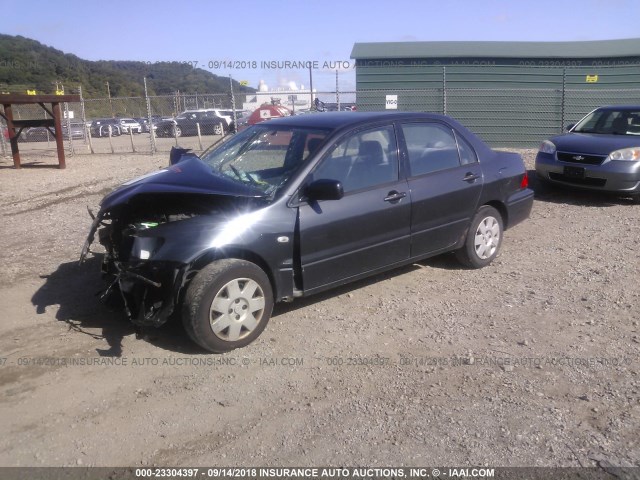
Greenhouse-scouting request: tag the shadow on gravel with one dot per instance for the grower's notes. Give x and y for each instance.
(445, 261)
(31, 165)
(544, 192)
(75, 289)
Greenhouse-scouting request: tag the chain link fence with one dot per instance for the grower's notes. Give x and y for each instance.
(515, 117)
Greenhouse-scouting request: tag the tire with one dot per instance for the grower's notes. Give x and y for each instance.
(177, 131)
(484, 239)
(217, 129)
(227, 305)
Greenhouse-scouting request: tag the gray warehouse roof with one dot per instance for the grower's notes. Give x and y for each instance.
(629, 47)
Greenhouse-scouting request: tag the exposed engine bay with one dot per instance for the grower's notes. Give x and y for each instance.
(131, 235)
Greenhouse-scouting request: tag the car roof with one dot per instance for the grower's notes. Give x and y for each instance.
(619, 107)
(336, 120)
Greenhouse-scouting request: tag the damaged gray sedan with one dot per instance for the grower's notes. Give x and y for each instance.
(298, 205)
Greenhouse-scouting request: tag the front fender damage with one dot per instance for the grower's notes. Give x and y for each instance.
(138, 279)
(149, 293)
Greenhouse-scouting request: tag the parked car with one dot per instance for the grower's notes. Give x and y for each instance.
(42, 134)
(227, 116)
(78, 131)
(127, 124)
(295, 206)
(102, 126)
(186, 124)
(242, 121)
(144, 122)
(37, 134)
(600, 152)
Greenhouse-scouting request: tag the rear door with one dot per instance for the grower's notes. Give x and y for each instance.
(445, 181)
(369, 227)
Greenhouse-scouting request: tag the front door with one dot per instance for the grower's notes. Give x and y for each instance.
(368, 228)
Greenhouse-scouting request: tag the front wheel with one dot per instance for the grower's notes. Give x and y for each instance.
(227, 305)
(177, 131)
(217, 130)
(484, 238)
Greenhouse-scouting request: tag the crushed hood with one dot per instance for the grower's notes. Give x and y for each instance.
(191, 175)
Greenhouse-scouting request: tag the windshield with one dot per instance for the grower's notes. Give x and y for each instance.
(610, 121)
(264, 157)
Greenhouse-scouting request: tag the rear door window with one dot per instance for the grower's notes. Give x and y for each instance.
(431, 147)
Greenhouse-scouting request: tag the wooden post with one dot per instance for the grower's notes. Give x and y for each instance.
(88, 134)
(13, 140)
(110, 139)
(133, 147)
(57, 124)
(199, 136)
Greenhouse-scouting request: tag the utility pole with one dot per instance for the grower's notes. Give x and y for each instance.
(152, 136)
(110, 102)
(337, 92)
(233, 107)
(310, 86)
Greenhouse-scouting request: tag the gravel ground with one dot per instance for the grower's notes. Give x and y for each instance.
(532, 361)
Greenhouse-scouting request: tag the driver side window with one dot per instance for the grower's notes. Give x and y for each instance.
(362, 160)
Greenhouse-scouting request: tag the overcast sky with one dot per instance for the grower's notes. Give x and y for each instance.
(214, 32)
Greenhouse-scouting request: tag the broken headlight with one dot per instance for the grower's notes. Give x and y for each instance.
(143, 248)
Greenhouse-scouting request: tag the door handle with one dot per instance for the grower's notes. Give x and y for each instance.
(394, 196)
(470, 177)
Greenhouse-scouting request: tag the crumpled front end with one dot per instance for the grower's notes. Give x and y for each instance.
(148, 289)
(155, 228)
(150, 244)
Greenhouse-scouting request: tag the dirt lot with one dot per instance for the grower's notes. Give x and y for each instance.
(531, 361)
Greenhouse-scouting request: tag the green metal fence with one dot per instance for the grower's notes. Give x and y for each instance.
(510, 106)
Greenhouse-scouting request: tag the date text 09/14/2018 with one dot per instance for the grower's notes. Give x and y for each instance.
(268, 64)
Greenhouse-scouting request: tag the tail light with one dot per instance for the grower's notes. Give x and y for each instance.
(524, 183)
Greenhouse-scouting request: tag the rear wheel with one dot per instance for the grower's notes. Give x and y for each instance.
(227, 305)
(484, 238)
(217, 130)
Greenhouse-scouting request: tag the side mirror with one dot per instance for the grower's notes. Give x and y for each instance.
(176, 154)
(569, 127)
(324, 189)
